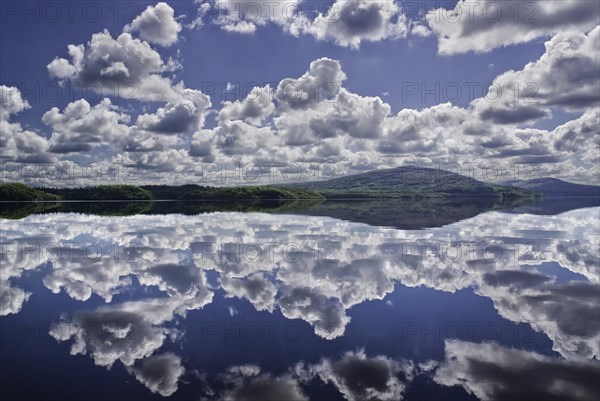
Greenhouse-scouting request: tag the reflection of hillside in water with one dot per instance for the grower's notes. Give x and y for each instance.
(556, 205)
(398, 213)
(12, 210)
(314, 269)
(407, 214)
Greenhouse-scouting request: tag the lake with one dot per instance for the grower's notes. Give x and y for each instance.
(340, 301)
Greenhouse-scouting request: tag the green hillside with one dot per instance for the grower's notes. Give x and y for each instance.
(411, 182)
(108, 192)
(196, 192)
(20, 192)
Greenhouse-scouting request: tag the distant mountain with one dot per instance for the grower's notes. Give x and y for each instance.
(411, 182)
(553, 187)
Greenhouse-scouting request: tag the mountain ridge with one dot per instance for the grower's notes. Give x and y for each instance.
(554, 187)
(410, 182)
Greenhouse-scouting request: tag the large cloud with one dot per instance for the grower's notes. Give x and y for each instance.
(484, 25)
(11, 299)
(11, 101)
(316, 118)
(79, 127)
(359, 377)
(577, 143)
(350, 22)
(233, 139)
(565, 76)
(348, 116)
(246, 383)
(254, 109)
(255, 288)
(429, 132)
(18, 144)
(326, 315)
(110, 335)
(125, 66)
(130, 333)
(320, 83)
(246, 16)
(186, 115)
(146, 141)
(346, 23)
(156, 24)
(160, 373)
(492, 372)
(127, 332)
(564, 311)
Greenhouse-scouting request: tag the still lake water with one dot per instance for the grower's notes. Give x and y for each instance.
(342, 302)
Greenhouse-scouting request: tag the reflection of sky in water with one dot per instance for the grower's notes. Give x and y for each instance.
(255, 306)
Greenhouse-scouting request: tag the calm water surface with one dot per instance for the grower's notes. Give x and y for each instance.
(261, 306)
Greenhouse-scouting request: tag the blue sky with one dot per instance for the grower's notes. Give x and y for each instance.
(390, 57)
